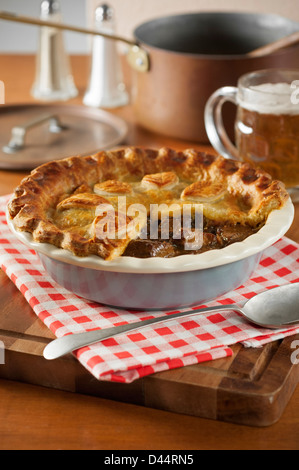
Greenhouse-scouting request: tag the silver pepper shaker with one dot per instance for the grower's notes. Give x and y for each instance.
(106, 88)
(53, 80)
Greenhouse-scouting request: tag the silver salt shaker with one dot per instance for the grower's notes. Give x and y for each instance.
(53, 80)
(106, 88)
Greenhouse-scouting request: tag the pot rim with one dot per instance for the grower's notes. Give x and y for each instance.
(217, 57)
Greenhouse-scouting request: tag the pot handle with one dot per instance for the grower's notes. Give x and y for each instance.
(214, 122)
(137, 56)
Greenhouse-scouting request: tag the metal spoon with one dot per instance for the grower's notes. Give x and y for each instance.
(274, 308)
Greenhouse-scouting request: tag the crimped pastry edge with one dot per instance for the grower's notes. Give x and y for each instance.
(34, 194)
(278, 223)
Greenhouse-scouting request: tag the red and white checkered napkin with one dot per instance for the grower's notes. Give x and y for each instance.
(160, 347)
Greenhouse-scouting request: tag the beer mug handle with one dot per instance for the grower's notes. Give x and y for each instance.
(214, 123)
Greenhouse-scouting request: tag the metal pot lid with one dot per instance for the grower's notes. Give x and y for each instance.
(33, 134)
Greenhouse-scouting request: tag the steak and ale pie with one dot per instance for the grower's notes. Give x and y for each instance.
(144, 203)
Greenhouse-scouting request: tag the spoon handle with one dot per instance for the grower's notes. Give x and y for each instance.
(8, 16)
(61, 346)
(282, 43)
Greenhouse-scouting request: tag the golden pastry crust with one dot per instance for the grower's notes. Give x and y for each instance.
(165, 180)
(58, 201)
(204, 191)
(81, 200)
(112, 187)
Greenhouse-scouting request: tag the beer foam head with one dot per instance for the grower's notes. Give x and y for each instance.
(271, 98)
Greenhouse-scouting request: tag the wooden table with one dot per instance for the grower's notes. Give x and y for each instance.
(33, 417)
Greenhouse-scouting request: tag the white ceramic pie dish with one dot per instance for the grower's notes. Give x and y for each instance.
(159, 283)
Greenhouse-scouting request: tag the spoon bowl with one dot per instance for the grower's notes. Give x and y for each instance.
(273, 308)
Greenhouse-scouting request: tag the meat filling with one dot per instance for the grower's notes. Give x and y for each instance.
(213, 236)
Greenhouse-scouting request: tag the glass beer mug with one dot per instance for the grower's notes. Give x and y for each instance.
(266, 125)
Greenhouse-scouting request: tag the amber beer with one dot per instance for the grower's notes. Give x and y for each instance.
(267, 132)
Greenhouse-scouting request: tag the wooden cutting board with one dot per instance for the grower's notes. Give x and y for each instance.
(252, 387)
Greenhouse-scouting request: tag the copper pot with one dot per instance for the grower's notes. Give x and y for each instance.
(182, 59)
(193, 55)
